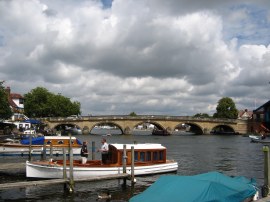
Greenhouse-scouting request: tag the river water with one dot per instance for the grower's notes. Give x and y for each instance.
(231, 155)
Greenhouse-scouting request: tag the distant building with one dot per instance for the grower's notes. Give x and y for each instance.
(245, 114)
(16, 101)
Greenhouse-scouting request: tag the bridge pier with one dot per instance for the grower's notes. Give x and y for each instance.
(127, 131)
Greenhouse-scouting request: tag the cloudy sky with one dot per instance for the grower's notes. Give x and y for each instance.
(154, 57)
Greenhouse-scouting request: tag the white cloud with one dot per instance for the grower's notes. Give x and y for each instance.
(154, 57)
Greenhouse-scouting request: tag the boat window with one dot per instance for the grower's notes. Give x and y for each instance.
(49, 142)
(60, 142)
(155, 156)
(161, 155)
(148, 156)
(142, 156)
(135, 156)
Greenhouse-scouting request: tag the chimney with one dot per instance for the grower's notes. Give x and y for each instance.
(8, 91)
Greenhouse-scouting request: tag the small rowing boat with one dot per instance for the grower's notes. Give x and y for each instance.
(148, 159)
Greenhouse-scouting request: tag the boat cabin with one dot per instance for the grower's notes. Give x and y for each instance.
(143, 154)
(55, 141)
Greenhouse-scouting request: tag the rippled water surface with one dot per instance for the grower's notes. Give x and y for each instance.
(231, 155)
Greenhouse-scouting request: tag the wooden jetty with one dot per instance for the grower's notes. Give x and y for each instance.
(12, 166)
(61, 181)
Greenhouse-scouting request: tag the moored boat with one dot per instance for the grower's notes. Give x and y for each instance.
(160, 132)
(21, 147)
(212, 186)
(148, 159)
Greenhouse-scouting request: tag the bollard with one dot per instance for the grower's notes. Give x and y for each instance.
(93, 150)
(265, 187)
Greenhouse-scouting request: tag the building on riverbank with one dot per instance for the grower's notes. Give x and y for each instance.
(260, 121)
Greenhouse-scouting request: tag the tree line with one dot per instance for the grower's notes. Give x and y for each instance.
(39, 102)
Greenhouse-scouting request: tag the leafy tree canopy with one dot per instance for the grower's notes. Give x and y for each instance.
(39, 102)
(5, 110)
(132, 114)
(226, 109)
(202, 115)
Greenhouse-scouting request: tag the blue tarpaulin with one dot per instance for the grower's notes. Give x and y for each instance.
(35, 141)
(33, 121)
(207, 187)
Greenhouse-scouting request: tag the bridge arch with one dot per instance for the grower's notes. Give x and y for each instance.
(107, 123)
(191, 127)
(223, 129)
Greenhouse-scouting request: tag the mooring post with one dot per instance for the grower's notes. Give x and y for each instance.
(51, 150)
(124, 163)
(71, 180)
(30, 147)
(132, 166)
(44, 150)
(93, 150)
(265, 187)
(64, 167)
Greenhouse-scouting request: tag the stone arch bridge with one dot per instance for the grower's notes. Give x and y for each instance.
(127, 123)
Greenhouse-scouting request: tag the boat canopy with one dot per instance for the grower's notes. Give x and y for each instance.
(212, 186)
(139, 146)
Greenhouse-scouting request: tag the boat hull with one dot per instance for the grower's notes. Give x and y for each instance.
(50, 170)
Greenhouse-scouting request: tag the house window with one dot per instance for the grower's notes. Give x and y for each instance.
(21, 101)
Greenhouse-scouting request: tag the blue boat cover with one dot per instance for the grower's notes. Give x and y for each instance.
(35, 141)
(207, 187)
(40, 141)
(33, 121)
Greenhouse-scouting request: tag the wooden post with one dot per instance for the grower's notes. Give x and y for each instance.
(44, 150)
(64, 167)
(71, 180)
(30, 147)
(265, 187)
(93, 150)
(124, 163)
(132, 166)
(51, 151)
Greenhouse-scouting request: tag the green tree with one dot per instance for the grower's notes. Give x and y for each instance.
(226, 109)
(202, 115)
(39, 102)
(5, 110)
(132, 114)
